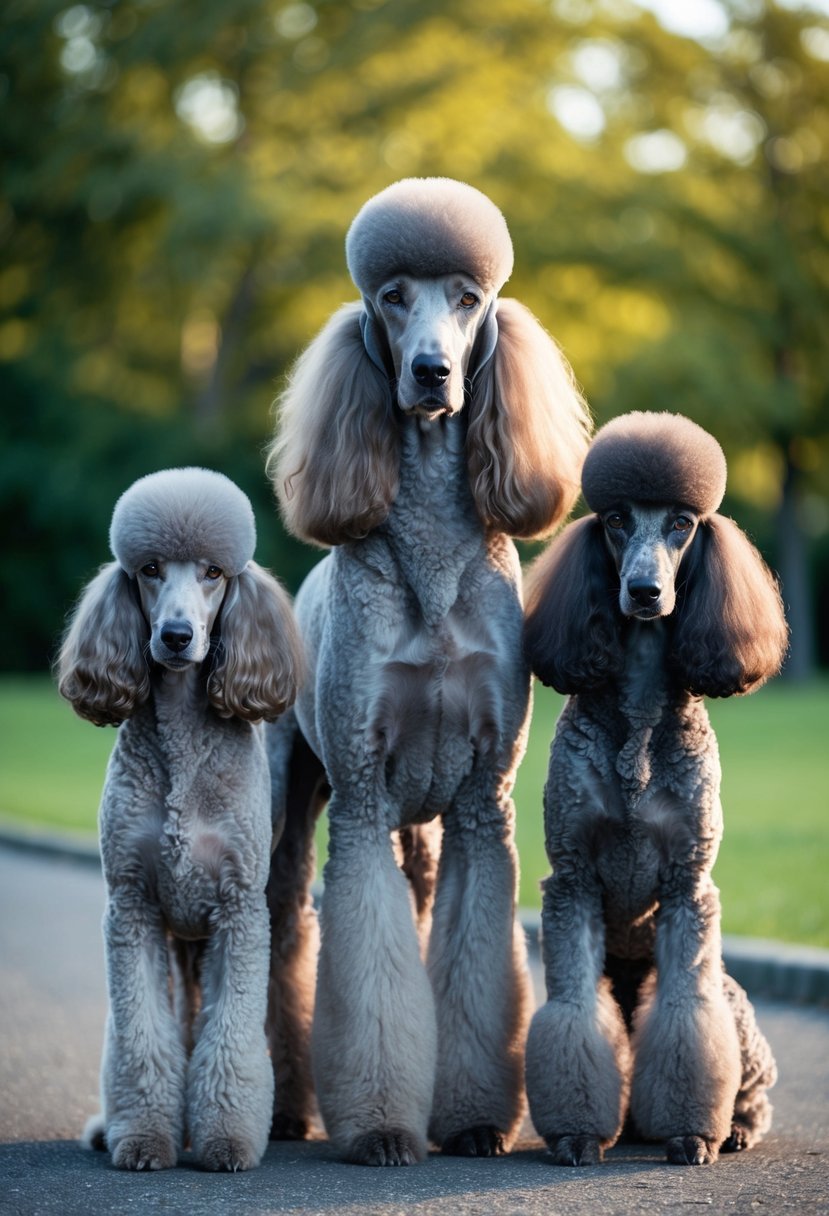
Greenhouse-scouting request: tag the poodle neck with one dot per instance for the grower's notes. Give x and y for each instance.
(433, 529)
(645, 686)
(180, 698)
(647, 699)
(433, 463)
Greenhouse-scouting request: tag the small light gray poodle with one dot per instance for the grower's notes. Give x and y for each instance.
(421, 429)
(184, 643)
(638, 611)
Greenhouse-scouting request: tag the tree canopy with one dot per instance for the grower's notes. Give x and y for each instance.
(177, 184)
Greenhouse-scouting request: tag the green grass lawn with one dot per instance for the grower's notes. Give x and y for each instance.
(773, 868)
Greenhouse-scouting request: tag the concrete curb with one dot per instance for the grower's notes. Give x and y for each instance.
(774, 970)
(81, 846)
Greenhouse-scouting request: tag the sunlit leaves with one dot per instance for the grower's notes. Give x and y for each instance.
(179, 179)
(656, 152)
(210, 106)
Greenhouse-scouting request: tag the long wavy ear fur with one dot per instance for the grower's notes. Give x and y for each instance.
(528, 430)
(572, 626)
(258, 663)
(334, 461)
(101, 667)
(730, 634)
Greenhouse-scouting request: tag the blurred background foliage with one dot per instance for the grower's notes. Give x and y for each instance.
(178, 179)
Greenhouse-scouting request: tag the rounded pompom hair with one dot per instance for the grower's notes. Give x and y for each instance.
(183, 515)
(427, 227)
(654, 457)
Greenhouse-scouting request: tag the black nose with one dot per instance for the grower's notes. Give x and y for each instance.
(176, 635)
(645, 591)
(430, 371)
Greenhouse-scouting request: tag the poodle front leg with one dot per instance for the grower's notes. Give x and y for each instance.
(230, 1080)
(578, 1056)
(373, 1039)
(144, 1061)
(687, 1055)
(478, 967)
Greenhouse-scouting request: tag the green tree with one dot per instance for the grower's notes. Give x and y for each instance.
(721, 228)
(178, 180)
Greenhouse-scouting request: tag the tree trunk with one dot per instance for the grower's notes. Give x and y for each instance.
(793, 566)
(209, 402)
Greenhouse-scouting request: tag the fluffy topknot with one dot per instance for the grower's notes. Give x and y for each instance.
(183, 515)
(426, 227)
(648, 457)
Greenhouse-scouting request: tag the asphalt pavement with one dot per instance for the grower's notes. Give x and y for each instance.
(52, 1008)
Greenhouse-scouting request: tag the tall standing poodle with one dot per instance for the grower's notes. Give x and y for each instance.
(422, 428)
(638, 611)
(186, 643)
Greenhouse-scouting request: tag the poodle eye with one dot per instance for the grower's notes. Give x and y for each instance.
(614, 520)
(469, 299)
(150, 570)
(393, 297)
(213, 573)
(682, 524)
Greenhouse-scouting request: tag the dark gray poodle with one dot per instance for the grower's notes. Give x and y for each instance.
(638, 611)
(184, 643)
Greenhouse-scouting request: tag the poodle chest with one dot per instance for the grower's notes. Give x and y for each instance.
(194, 826)
(434, 710)
(639, 800)
(199, 872)
(418, 679)
(631, 860)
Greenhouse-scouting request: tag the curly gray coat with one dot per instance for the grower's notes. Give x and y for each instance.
(186, 643)
(638, 611)
(420, 430)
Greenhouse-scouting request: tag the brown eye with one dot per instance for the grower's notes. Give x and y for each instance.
(682, 524)
(213, 572)
(468, 299)
(150, 570)
(614, 520)
(393, 297)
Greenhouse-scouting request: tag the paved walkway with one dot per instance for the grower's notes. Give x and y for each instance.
(52, 1006)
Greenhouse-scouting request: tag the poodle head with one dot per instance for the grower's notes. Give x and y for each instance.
(655, 548)
(183, 590)
(429, 255)
(183, 515)
(429, 339)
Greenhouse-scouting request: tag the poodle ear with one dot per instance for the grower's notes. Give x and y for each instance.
(731, 633)
(572, 628)
(258, 662)
(101, 668)
(334, 460)
(528, 429)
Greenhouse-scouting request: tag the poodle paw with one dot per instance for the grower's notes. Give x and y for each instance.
(390, 1147)
(226, 1153)
(288, 1127)
(691, 1150)
(150, 1151)
(739, 1139)
(483, 1140)
(575, 1150)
